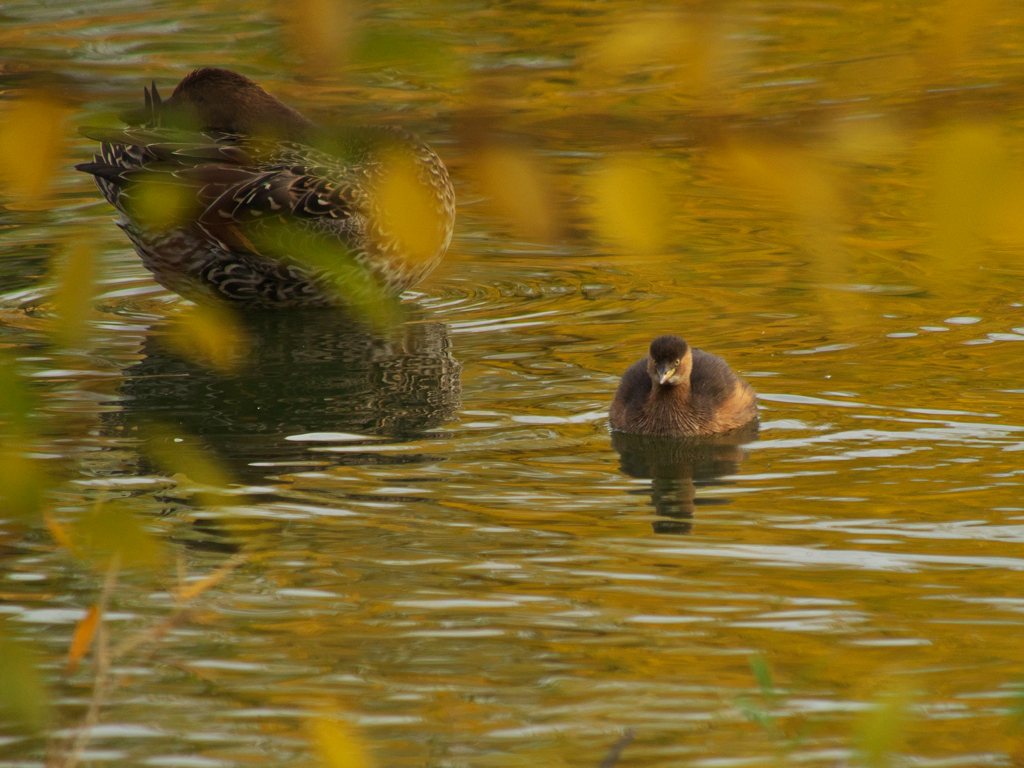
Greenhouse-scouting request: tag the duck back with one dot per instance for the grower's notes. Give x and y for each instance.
(260, 208)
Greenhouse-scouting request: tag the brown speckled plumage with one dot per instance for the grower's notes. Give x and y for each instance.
(680, 391)
(279, 212)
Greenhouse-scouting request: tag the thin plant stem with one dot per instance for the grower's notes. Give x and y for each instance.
(617, 749)
(100, 684)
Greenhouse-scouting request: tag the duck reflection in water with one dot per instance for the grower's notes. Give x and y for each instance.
(680, 416)
(678, 466)
(305, 371)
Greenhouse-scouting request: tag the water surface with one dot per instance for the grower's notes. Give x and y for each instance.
(448, 550)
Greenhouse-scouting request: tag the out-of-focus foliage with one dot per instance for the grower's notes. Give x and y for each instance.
(519, 190)
(329, 36)
(791, 178)
(211, 335)
(82, 639)
(878, 734)
(882, 729)
(158, 201)
(184, 455)
(969, 177)
(338, 744)
(956, 29)
(22, 478)
(693, 53)
(318, 31)
(409, 211)
(192, 589)
(761, 712)
(112, 532)
(24, 701)
(33, 139)
(631, 206)
(763, 675)
(23, 482)
(378, 49)
(358, 289)
(76, 278)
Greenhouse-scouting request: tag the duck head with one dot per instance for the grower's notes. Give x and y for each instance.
(213, 99)
(669, 361)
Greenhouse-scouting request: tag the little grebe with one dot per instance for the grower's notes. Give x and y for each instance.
(678, 391)
(265, 209)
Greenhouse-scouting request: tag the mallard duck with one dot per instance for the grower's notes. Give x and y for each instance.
(263, 208)
(678, 391)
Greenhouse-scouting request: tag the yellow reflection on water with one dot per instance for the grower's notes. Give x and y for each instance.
(827, 197)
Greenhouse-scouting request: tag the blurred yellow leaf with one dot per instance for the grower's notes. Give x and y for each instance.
(82, 638)
(1006, 219)
(519, 190)
(24, 702)
(968, 175)
(957, 27)
(338, 744)
(75, 292)
(110, 532)
(196, 588)
(319, 31)
(408, 211)
(630, 207)
(791, 177)
(639, 43)
(808, 190)
(32, 144)
(209, 335)
(874, 75)
(659, 40)
(868, 141)
(58, 531)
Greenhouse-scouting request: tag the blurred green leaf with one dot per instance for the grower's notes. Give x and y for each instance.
(110, 531)
(763, 676)
(24, 700)
(159, 201)
(16, 400)
(1016, 711)
(404, 50)
(881, 729)
(23, 481)
(356, 286)
(183, 454)
(756, 712)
